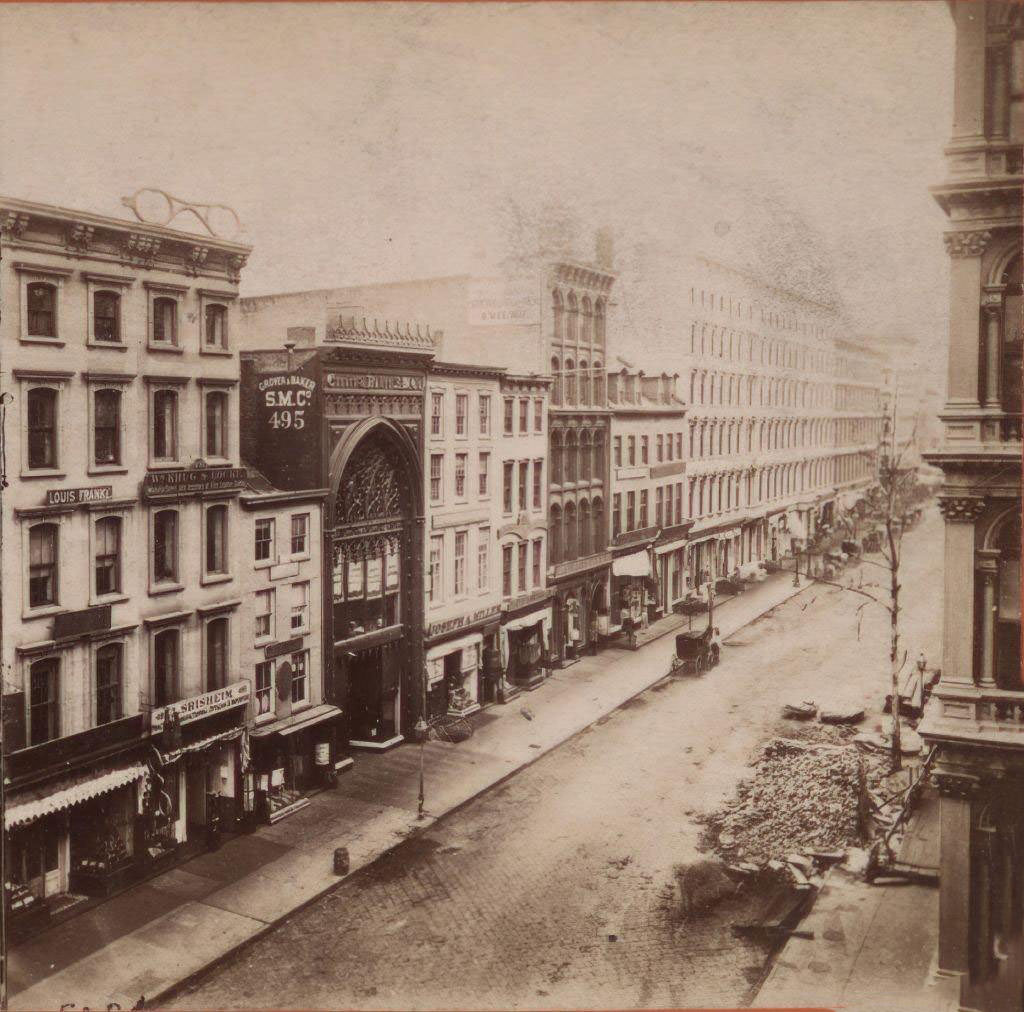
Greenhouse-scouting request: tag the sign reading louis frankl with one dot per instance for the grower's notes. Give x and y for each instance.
(74, 496)
(202, 706)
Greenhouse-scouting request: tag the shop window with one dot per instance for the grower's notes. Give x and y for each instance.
(460, 476)
(483, 475)
(485, 414)
(44, 701)
(42, 428)
(165, 321)
(264, 687)
(216, 540)
(107, 427)
(108, 556)
(263, 620)
(483, 555)
(165, 425)
(216, 424)
(166, 650)
(436, 476)
(300, 677)
(300, 607)
(165, 546)
(263, 547)
(108, 683)
(506, 571)
(106, 317)
(460, 563)
(436, 413)
(42, 565)
(42, 309)
(216, 330)
(461, 408)
(524, 483)
(538, 551)
(216, 653)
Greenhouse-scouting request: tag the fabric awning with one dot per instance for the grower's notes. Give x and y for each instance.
(298, 721)
(443, 649)
(198, 746)
(67, 792)
(525, 621)
(634, 564)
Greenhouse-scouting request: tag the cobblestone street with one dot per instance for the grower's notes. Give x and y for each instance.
(549, 890)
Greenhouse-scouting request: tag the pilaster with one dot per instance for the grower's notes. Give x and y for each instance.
(961, 513)
(965, 250)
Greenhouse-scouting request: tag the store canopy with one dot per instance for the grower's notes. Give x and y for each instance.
(443, 649)
(298, 721)
(525, 621)
(635, 564)
(199, 746)
(70, 791)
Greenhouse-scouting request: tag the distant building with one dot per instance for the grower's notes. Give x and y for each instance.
(976, 717)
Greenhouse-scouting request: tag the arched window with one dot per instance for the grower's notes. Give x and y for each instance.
(106, 317)
(597, 470)
(42, 565)
(216, 653)
(571, 459)
(166, 659)
(599, 322)
(44, 701)
(570, 382)
(42, 309)
(1011, 365)
(558, 314)
(600, 538)
(42, 428)
(585, 458)
(216, 539)
(108, 556)
(598, 384)
(569, 532)
(216, 332)
(109, 683)
(572, 318)
(1006, 632)
(586, 321)
(555, 535)
(216, 424)
(165, 546)
(584, 382)
(585, 528)
(556, 457)
(556, 386)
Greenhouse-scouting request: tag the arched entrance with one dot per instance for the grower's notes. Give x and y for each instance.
(376, 575)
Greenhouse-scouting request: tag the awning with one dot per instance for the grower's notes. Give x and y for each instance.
(67, 792)
(199, 746)
(525, 621)
(298, 721)
(635, 564)
(443, 649)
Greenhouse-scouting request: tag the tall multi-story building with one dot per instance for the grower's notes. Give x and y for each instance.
(977, 714)
(121, 592)
(648, 490)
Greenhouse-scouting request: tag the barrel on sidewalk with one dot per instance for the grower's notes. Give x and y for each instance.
(341, 861)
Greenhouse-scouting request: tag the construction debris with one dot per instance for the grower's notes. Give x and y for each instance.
(842, 715)
(800, 711)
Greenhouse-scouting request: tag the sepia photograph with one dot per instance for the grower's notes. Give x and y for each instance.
(511, 505)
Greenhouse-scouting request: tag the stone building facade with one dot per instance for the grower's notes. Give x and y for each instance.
(976, 716)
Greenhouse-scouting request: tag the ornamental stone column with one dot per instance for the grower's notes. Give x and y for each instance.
(965, 250)
(961, 513)
(992, 304)
(988, 563)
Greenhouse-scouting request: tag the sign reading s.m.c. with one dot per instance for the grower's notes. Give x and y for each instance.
(287, 400)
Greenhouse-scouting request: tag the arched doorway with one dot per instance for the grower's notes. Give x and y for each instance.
(376, 581)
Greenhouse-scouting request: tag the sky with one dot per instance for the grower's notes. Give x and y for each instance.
(366, 142)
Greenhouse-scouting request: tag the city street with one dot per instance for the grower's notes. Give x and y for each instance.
(548, 891)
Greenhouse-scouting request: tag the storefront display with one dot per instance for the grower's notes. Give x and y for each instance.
(525, 646)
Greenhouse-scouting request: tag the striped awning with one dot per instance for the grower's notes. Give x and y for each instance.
(70, 791)
(199, 746)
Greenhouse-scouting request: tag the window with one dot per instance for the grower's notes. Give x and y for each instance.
(436, 564)
(217, 539)
(42, 565)
(538, 552)
(264, 687)
(300, 607)
(679, 502)
(508, 416)
(216, 334)
(668, 507)
(509, 478)
(108, 683)
(216, 653)
(106, 317)
(300, 676)
(107, 427)
(165, 321)
(524, 415)
(485, 414)
(616, 514)
(165, 425)
(108, 556)
(300, 534)
(436, 413)
(264, 542)
(460, 563)
(506, 571)
(538, 415)
(165, 667)
(631, 443)
(216, 424)
(436, 474)
(42, 309)
(483, 555)
(644, 441)
(42, 428)
(460, 476)
(485, 461)
(524, 482)
(263, 624)
(165, 546)
(660, 448)
(44, 711)
(538, 475)
(630, 511)
(461, 407)
(643, 508)
(659, 506)
(523, 549)
(679, 446)
(617, 451)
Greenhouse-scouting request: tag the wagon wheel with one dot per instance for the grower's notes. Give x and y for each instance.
(700, 664)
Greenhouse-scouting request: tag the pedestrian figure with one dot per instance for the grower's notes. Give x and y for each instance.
(716, 645)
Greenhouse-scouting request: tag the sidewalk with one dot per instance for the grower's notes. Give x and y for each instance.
(159, 934)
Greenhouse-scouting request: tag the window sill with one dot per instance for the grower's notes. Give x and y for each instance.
(265, 564)
(214, 578)
(158, 589)
(53, 342)
(300, 632)
(106, 469)
(167, 349)
(222, 352)
(118, 598)
(165, 465)
(43, 611)
(42, 473)
(108, 345)
(301, 557)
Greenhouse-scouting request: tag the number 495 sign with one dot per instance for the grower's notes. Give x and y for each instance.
(287, 398)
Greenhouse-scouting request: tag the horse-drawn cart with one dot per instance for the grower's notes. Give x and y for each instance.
(695, 652)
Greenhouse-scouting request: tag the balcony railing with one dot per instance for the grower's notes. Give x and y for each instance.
(972, 713)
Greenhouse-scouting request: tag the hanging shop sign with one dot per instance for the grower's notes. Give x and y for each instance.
(78, 496)
(193, 480)
(188, 710)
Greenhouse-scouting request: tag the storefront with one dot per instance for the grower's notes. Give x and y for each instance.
(526, 645)
(455, 677)
(633, 589)
(672, 567)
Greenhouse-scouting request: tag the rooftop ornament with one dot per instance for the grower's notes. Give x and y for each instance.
(157, 207)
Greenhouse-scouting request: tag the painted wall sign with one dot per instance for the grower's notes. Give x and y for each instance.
(81, 622)
(75, 496)
(503, 302)
(288, 399)
(189, 481)
(462, 621)
(372, 381)
(206, 705)
(272, 650)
